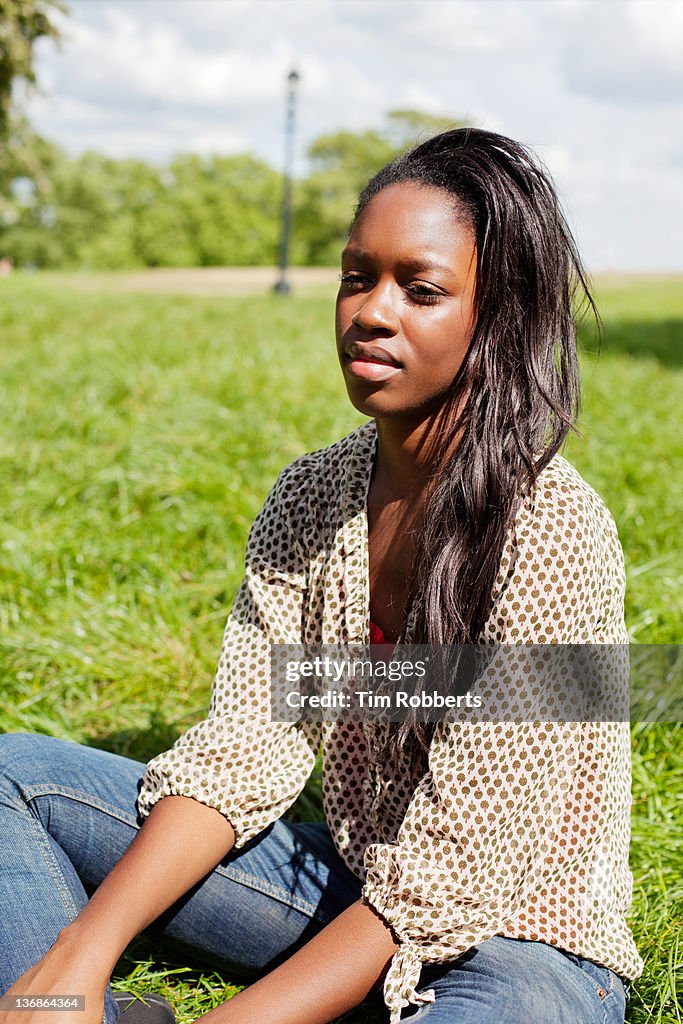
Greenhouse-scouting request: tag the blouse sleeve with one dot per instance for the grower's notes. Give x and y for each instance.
(483, 826)
(236, 760)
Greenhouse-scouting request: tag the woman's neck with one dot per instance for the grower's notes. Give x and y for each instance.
(407, 455)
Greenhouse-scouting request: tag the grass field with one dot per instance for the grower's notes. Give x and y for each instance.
(141, 434)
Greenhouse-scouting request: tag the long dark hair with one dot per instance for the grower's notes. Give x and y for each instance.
(517, 393)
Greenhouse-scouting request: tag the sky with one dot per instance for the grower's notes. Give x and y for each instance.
(595, 87)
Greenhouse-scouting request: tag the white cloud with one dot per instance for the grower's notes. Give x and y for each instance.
(463, 26)
(626, 52)
(155, 60)
(416, 97)
(216, 141)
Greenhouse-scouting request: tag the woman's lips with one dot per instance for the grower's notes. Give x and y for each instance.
(371, 362)
(371, 369)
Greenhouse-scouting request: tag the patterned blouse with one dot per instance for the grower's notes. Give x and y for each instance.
(519, 830)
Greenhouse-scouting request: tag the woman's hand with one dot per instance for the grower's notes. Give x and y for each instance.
(64, 971)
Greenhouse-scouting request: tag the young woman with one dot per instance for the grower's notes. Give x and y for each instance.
(465, 873)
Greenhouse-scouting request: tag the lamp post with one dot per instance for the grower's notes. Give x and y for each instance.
(282, 286)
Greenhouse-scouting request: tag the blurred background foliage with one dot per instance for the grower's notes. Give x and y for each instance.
(94, 212)
(22, 24)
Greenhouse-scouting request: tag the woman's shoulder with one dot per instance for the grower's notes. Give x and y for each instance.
(562, 571)
(315, 479)
(562, 500)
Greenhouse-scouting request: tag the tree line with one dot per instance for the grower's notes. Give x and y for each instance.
(94, 211)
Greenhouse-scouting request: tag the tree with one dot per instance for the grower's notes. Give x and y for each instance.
(22, 23)
(232, 205)
(97, 212)
(341, 163)
(101, 213)
(29, 166)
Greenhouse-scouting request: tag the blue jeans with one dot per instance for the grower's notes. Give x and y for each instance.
(67, 815)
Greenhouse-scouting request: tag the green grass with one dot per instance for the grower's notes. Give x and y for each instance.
(141, 434)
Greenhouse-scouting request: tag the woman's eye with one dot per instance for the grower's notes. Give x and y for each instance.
(352, 280)
(422, 294)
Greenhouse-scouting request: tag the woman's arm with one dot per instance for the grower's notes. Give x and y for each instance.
(179, 843)
(328, 976)
(224, 780)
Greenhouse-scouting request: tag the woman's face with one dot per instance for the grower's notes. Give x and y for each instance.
(405, 307)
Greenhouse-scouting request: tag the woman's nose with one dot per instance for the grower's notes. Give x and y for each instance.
(377, 313)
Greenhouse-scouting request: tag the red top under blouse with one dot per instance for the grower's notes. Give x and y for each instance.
(377, 636)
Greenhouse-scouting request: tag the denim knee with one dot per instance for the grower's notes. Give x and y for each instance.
(18, 749)
(19, 744)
